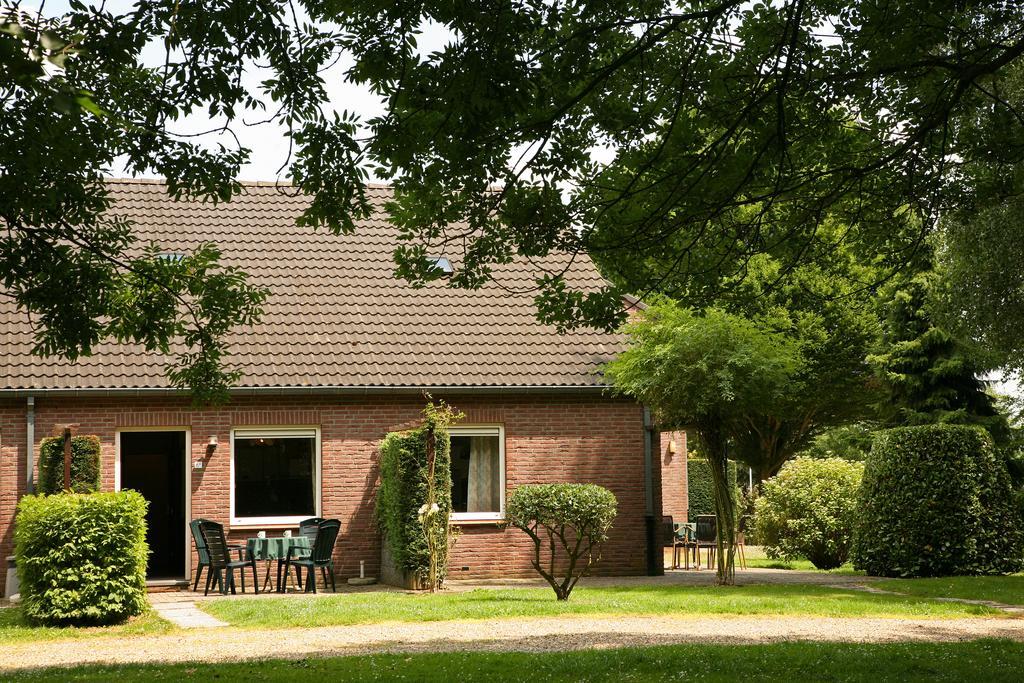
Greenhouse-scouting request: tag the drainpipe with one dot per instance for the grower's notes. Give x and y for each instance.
(30, 443)
(655, 563)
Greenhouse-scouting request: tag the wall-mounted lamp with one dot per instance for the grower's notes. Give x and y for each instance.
(672, 447)
(212, 443)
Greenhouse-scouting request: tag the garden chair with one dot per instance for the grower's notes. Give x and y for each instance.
(307, 528)
(204, 556)
(669, 539)
(321, 555)
(687, 538)
(219, 553)
(707, 537)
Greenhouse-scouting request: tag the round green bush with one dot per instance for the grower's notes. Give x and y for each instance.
(936, 501)
(82, 557)
(85, 464)
(568, 522)
(807, 511)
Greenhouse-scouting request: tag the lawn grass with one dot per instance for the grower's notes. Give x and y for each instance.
(757, 559)
(978, 660)
(1005, 589)
(361, 608)
(15, 629)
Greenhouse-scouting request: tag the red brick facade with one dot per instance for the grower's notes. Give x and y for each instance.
(548, 438)
(675, 500)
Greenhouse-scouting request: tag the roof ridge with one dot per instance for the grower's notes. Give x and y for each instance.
(244, 183)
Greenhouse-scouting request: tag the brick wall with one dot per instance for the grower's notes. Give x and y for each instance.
(547, 439)
(673, 475)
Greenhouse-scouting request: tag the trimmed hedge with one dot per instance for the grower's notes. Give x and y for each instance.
(403, 492)
(936, 501)
(808, 510)
(82, 558)
(701, 488)
(85, 464)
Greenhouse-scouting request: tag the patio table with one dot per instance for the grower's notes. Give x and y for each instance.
(276, 548)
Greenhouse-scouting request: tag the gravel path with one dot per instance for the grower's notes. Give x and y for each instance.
(534, 634)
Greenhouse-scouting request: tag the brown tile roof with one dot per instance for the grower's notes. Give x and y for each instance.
(335, 317)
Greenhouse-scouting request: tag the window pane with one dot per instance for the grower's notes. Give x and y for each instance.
(274, 477)
(476, 474)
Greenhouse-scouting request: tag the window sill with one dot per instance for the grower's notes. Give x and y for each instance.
(479, 522)
(263, 527)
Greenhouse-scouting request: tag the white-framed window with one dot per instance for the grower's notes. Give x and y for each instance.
(478, 472)
(275, 475)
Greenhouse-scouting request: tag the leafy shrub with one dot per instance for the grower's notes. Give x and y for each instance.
(936, 501)
(85, 464)
(701, 489)
(82, 558)
(808, 510)
(572, 518)
(405, 486)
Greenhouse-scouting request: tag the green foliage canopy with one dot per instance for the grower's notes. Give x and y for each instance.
(673, 142)
(82, 558)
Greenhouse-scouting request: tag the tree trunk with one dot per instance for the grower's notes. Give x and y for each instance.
(725, 509)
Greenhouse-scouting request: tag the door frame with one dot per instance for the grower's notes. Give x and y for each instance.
(187, 461)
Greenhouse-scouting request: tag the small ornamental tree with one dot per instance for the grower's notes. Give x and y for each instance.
(936, 501)
(571, 520)
(808, 510)
(714, 373)
(85, 464)
(414, 500)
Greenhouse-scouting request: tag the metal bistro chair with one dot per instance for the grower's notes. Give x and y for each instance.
(321, 555)
(669, 539)
(204, 556)
(687, 538)
(707, 537)
(307, 528)
(220, 560)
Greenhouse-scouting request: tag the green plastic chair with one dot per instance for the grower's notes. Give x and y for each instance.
(204, 555)
(222, 569)
(321, 555)
(307, 528)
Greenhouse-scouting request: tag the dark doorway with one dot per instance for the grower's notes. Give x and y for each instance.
(153, 463)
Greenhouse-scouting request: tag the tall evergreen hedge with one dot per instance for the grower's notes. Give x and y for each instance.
(701, 488)
(82, 558)
(936, 501)
(403, 491)
(85, 464)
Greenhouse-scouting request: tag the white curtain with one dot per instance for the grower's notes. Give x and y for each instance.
(483, 475)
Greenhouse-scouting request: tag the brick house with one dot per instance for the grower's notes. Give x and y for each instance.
(344, 352)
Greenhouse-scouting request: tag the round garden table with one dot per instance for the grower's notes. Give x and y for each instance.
(276, 548)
